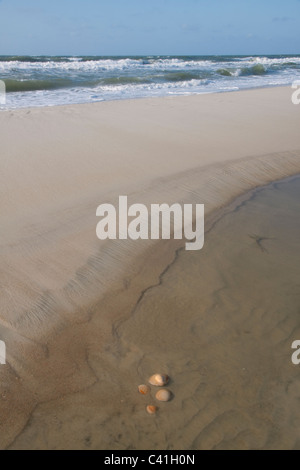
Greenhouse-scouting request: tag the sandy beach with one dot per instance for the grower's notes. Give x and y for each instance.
(71, 309)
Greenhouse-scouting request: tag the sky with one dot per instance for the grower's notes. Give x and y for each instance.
(149, 27)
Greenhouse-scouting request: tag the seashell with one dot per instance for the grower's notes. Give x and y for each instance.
(163, 395)
(144, 389)
(151, 410)
(159, 380)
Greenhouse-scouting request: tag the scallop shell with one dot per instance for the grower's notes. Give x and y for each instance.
(159, 380)
(151, 410)
(163, 395)
(144, 389)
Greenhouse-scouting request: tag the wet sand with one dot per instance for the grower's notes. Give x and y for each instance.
(82, 325)
(221, 322)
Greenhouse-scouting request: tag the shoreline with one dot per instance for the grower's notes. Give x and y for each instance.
(64, 290)
(146, 98)
(163, 97)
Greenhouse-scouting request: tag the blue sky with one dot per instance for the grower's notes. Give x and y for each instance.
(142, 27)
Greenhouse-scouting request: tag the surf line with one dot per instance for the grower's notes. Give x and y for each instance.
(161, 221)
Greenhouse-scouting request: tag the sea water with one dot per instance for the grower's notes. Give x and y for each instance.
(49, 81)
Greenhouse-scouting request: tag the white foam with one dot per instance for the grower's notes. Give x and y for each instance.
(154, 69)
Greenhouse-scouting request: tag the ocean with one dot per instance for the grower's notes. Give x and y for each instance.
(50, 81)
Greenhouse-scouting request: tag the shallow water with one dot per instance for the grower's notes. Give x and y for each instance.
(221, 324)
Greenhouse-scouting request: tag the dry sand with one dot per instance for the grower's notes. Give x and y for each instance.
(63, 292)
